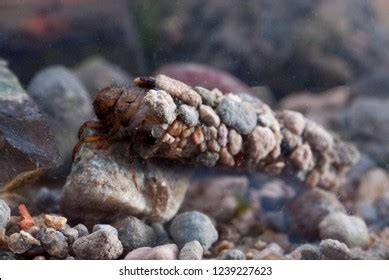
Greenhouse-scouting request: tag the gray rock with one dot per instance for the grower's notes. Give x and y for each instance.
(240, 116)
(109, 228)
(27, 145)
(71, 235)
(54, 242)
(5, 214)
(234, 254)
(97, 73)
(188, 114)
(99, 245)
(191, 251)
(308, 210)
(350, 230)
(134, 233)
(21, 242)
(64, 102)
(209, 116)
(366, 211)
(163, 252)
(209, 97)
(360, 122)
(161, 234)
(159, 103)
(48, 200)
(189, 226)
(309, 252)
(358, 253)
(106, 186)
(334, 250)
(82, 230)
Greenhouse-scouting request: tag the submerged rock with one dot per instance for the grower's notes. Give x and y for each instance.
(99, 245)
(64, 102)
(104, 186)
(350, 230)
(309, 208)
(163, 252)
(192, 250)
(134, 233)
(27, 144)
(97, 73)
(5, 214)
(189, 226)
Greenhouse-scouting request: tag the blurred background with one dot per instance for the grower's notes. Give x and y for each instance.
(328, 59)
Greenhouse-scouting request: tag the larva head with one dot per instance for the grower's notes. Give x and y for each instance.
(105, 101)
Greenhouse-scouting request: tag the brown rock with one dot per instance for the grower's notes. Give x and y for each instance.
(56, 222)
(260, 143)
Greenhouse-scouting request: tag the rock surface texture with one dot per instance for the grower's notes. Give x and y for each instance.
(235, 131)
(27, 144)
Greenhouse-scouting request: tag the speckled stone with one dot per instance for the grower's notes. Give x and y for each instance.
(189, 226)
(239, 115)
(188, 114)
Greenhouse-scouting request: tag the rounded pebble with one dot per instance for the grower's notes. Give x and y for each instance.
(240, 116)
(82, 230)
(189, 226)
(134, 233)
(350, 230)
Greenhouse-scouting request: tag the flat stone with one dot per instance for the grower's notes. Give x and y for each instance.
(27, 144)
